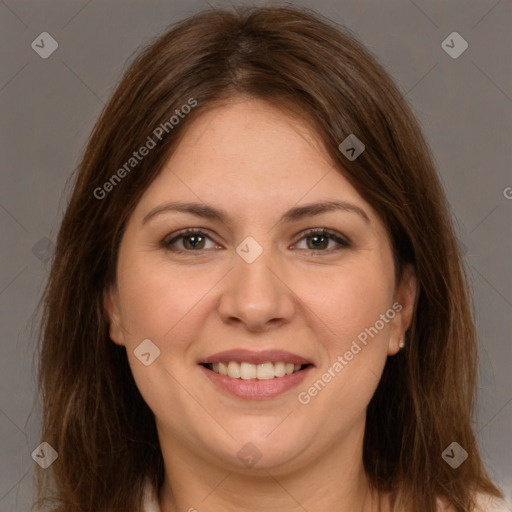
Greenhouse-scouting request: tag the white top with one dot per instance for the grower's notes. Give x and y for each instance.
(485, 503)
(150, 500)
(489, 504)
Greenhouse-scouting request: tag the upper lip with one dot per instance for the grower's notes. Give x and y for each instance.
(248, 356)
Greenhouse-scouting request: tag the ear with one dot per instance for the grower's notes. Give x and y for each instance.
(405, 299)
(113, 312)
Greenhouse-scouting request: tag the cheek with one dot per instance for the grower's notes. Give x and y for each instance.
(357, 341)
(156, 297)
(163, 304)
(354, 300)
(356, 344)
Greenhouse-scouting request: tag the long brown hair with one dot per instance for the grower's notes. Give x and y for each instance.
(93, 413)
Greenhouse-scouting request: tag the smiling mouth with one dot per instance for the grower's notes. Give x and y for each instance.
(248, 371)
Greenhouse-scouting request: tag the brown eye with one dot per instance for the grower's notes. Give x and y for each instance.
(318, 240)
(193, 241)
(190, 240)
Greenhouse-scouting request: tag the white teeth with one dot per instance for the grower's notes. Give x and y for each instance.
(247, 371)
(279, 370)
(223, 369)
(233, 370)
(265, 371)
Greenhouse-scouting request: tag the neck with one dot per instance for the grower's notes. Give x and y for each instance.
(335, 481)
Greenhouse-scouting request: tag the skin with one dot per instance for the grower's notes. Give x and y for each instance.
(255, 162)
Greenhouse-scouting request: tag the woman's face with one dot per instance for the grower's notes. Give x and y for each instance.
(250, 281)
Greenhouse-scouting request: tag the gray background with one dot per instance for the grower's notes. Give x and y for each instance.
(49, 106)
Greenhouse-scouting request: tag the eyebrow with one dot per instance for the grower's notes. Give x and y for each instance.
(293, 214)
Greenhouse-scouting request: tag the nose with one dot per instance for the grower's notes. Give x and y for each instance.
(256, 295)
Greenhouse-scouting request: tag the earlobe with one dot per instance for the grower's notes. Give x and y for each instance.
(406, 294)
(111, 308)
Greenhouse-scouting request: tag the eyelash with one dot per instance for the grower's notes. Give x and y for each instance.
(323, 232)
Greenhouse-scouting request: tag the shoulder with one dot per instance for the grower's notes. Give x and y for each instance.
(484, 503)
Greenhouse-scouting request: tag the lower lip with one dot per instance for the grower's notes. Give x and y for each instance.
(254, 389)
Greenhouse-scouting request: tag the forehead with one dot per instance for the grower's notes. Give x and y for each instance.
(249, 152)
